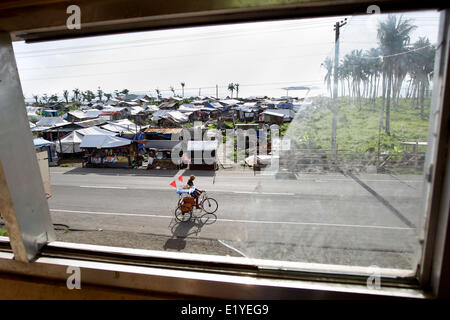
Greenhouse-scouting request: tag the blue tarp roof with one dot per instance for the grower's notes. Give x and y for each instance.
(284, 105)
(139, 136)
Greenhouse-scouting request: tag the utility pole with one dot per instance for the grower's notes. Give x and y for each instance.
(337, 27)
(217, 91)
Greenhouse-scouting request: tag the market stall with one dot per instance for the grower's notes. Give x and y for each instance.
(47, 146)
(109, 151)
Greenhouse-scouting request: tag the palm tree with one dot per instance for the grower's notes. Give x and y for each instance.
(66, 95)
(99, 94)
(236, 86)
(54, 98)
(182, 87)
(36, 99)
(344, 77)
(88, 95)
(393, 38)
(357, 67)
(231, 88)
(45, 98)
(421, 62)
(328, 65)
(356, 70)
(76, 93)
(158, 93)
(374, 65)
(173, 90)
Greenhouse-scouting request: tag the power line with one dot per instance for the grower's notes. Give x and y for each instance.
(396, 54)
(165, 57)
(228, 32)
(214, 33)
(235, 34)
(145, 69)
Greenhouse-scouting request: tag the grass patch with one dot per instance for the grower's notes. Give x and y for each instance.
(358, 128)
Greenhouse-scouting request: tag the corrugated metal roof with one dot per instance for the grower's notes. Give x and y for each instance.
(51, 121)
(164, 130)
(91, 122)
(177, 116)
(118, 128)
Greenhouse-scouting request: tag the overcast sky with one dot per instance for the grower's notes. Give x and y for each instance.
(262, 57)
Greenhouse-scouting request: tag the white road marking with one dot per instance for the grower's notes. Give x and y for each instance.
(254, 192)
(240, 221)
(277, 193)
(232, 248)
(104, 187)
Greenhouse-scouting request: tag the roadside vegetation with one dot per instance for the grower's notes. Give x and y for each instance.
(359, 129)
(383, 95)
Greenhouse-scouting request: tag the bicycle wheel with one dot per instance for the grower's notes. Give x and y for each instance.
(209, 205)
(182, 216)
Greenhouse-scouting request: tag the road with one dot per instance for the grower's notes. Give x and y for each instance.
(359, 220)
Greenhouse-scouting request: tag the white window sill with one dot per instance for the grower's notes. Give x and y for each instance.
(208, 284)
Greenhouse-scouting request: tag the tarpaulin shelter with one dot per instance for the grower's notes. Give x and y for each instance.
(71, 142)
(109, 151)
(103, 142)
(45, 145)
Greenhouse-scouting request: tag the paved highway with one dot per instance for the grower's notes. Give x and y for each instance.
(359, 220)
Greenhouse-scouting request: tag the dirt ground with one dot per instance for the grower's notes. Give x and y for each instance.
(147, 241)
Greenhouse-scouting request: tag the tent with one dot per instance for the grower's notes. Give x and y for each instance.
(71, 142)
(104, 142)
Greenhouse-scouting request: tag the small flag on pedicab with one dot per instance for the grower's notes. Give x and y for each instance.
(174, 184)
(180, 178)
